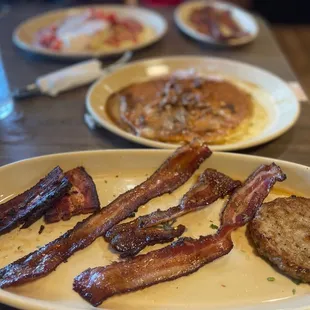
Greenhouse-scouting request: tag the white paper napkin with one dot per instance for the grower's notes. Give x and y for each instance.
(77, 75)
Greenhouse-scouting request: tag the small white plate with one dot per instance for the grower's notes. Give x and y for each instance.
(235, 281)
(245, 20)
(270, 93)
(24, 34)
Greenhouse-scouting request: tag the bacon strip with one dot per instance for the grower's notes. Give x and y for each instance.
(131, 237)
(184, 256)
(131, 243)
(258, 186)
(219, 24)
(29, 206)
(174, 172)
(81, 199)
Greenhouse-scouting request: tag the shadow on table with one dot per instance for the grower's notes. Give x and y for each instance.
(37, 57)
(114, 141)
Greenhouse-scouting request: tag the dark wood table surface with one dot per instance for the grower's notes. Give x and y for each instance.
(50, 125)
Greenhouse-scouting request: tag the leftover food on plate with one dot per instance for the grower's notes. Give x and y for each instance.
(279, 228)
(181, 107)
(28, 207)
(82, 198)
(92, 30)
(217, 23)
(131, 237)
(58, 196)
(185, 255)
(174, 172)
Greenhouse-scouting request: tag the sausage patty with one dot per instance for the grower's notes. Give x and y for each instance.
(281, 234)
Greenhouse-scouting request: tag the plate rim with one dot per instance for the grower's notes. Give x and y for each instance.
(195, 34)
(15, 300)
(153, 143)
(83, 55)
(143, 150)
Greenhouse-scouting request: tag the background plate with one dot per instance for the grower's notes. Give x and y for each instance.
(272, 93)
(246, 20)
(243, 274)
(24, 33)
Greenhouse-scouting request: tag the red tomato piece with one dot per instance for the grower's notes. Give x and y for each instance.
(56, 45)
(112, 18)
(46, 38)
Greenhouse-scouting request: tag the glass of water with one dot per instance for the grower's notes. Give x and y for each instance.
(6, 101)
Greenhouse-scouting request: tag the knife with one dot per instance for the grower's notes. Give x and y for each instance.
(70, 77)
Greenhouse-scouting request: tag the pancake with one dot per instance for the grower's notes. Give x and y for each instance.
(176, 110)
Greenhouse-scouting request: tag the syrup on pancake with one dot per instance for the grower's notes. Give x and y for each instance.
(176, 110)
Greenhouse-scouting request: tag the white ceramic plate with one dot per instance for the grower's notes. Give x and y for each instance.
(23, 35)
(270, 93)
(236, 281)
(245, 20)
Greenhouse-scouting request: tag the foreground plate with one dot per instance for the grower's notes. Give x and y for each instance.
(24, 34)
(246, 21)
(271, 93)
(236, 281)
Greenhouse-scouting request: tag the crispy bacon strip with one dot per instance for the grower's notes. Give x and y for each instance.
(184, 256)
(219, 24)
(134, 241)
(131, 237)
(81, 199)
(181, 258)
(213, 25)
(174, 172)
(258, 185)
(29, 206)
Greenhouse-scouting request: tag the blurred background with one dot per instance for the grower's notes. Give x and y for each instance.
(289, 21)
(276, 11)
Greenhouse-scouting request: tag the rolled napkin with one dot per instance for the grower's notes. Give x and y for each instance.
(70, 77)
(77, 75)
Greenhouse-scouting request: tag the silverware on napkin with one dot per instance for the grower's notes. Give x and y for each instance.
(68, 78)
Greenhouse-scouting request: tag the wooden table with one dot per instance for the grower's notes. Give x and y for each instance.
(52, 125)
(295, 43)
